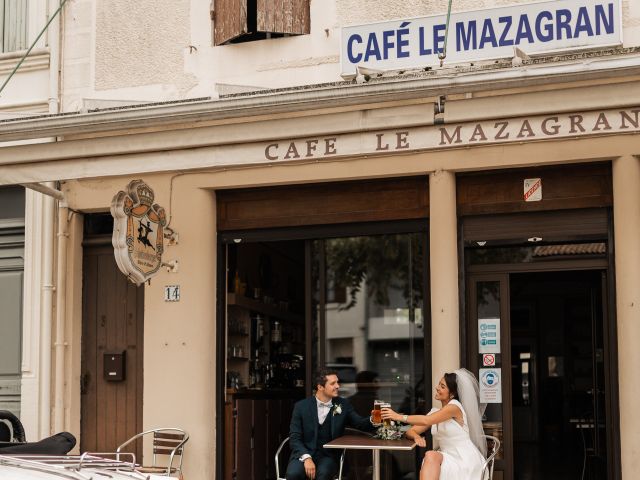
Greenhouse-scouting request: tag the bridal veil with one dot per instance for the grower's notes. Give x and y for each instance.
(469, 395)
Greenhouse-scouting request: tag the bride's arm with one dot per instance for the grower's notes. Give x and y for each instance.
(446, 413)
(415, 434)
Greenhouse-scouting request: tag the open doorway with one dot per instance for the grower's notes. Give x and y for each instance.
(352, 301)
(557, 375)
(552, 361)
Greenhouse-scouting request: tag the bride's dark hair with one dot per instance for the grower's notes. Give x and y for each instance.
(451, 379)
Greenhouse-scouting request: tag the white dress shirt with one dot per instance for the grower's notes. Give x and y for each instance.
(323, 410)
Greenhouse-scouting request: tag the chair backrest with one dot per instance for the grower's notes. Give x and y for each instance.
(282, 445)
(493, 446)
(166, 441)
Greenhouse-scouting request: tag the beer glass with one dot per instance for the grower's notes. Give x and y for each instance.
(376, 416)
(386, 422)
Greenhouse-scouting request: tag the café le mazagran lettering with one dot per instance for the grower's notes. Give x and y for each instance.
(535, 28)
(434, 137)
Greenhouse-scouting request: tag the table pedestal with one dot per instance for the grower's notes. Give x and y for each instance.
(376, 464)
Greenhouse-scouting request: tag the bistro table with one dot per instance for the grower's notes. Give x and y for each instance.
(361, 442)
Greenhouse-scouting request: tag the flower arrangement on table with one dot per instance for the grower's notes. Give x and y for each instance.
(389, 432)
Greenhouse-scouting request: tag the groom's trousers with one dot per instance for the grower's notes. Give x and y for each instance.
(326, 468)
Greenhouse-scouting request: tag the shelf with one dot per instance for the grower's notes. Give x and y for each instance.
(238, 358)
(238, 334)
(264, 308)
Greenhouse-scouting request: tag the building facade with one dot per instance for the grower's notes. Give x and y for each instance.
(391, 223)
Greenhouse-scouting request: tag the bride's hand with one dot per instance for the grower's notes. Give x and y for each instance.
(388, 414)
(420, 441)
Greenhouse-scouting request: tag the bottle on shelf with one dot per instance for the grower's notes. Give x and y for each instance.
(276, 332)
(259, 327)
(236, 283)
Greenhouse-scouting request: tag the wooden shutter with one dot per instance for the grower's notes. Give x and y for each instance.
(284, 16)
(588, 224)
(323, 203)
(229, 20)
(563, 187)
(15, 25)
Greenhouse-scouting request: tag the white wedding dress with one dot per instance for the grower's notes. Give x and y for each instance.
(462, 459)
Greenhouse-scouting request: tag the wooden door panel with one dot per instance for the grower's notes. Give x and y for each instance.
(113, 322)
(259, 438)
(273, 432)
(243, 457)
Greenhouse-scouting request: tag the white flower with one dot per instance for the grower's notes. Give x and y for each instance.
(337, 409)
(392, 432)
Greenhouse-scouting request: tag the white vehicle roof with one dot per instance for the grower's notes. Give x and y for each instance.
(71, 467)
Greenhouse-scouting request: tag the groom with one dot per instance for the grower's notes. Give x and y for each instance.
(318, 420)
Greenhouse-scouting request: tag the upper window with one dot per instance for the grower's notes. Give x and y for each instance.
(236, 21)
(13, 25)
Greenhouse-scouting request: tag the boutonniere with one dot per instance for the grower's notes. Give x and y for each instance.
(337, 409)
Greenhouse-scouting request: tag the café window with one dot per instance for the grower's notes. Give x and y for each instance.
(13, 25)
(236, 21)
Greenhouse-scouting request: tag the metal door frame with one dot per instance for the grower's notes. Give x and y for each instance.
(502, 272)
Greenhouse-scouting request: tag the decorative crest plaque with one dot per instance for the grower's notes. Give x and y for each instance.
(138, 232)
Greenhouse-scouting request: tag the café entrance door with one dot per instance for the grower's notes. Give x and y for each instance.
(538, 341)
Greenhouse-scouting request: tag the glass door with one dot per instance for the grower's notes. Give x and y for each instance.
(489, 358)
(368, 307)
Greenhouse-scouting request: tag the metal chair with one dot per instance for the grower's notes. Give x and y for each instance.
(487, 466)
(284, 442)
(166, 441)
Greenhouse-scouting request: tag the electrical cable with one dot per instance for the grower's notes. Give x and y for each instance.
(443, 54)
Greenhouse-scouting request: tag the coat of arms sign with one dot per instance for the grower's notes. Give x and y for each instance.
(138, 232)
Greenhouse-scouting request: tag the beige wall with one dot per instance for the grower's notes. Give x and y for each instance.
(443, 258)
(626, 196)
(154, 51)
(179, 340)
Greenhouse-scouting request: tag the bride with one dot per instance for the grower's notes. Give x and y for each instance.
(456, 427)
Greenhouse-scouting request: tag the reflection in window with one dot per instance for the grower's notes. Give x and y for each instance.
(369, 306)
(373, 316)
(533, 253)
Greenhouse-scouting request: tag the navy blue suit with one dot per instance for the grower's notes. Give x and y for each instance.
(307, 436)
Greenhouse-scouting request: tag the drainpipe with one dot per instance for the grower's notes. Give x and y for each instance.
(46, 317)
(55, 57)
(61, 315)
(55, 61)
(60, 288)
(55, 46)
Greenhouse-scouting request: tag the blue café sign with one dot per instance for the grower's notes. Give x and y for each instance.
(535, 28)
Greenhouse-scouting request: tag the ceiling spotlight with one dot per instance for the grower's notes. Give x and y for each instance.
(482, 243)
(534, 239)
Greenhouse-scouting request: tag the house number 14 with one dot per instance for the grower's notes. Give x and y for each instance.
(172, 293)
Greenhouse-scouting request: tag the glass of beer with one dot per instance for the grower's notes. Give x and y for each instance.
(386, 422)
(376, 414)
